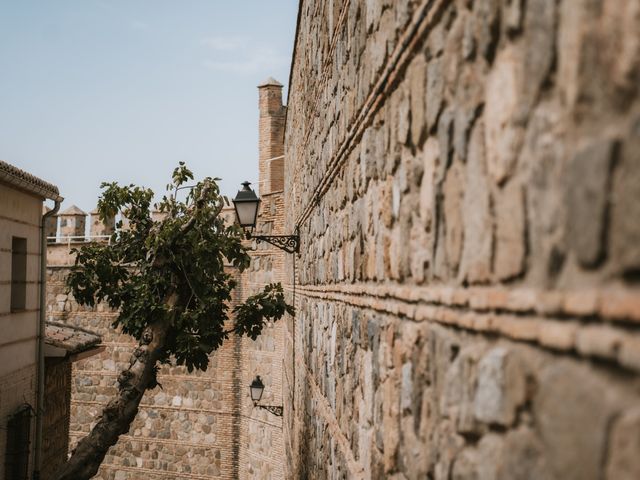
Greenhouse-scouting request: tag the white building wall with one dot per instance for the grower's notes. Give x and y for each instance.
(20, 215)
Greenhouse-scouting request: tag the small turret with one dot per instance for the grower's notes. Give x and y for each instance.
(72, 223)
(50, 225)
(100, 228)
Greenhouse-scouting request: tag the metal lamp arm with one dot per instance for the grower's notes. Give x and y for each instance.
(277, 410)
(288, 243)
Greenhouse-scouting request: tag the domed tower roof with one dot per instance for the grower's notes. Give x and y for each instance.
(73, 210)
(270, 82)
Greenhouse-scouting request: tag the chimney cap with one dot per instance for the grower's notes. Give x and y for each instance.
(270, 82)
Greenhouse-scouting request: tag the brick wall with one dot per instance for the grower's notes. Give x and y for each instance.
(262, 449)
(55, 428)
(271, 137)
(465, 176)
(18, 388)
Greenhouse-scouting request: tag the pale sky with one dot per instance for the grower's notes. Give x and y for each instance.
(102, 90)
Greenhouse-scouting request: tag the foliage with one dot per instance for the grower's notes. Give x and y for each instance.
(183, 253)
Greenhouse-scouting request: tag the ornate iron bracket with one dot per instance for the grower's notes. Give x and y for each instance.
(275, 409)
(288, 243)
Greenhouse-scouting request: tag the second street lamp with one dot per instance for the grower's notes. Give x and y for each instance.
(256, 388)
(246, 204)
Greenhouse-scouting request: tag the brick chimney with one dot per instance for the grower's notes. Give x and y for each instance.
(271, 136)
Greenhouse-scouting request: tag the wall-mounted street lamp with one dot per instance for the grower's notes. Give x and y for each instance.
(256, 388)
(246, 204)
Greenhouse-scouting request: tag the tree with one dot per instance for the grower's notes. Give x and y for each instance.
(167, 278)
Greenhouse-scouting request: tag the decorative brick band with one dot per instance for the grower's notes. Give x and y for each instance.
(522, 315)
(610, 304)
(163, 441)
(154, 473)
(181, 409)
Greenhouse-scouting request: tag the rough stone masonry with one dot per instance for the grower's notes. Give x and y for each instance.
(466, 179)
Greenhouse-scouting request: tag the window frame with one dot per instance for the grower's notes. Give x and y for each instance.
(18, 274)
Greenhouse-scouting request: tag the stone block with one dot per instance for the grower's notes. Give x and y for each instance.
(459, 390)
(503, 129)
(478, 235)
(472, 464)
(510, 227)
(625, 228)
(417, 75)
(543, 158)
(502, 387)
(468, 39)
(446, 446)
(623, 461)
(434, 92)
(512, 15)
(523, 457)
(587, 183)
(538, 48)
(452, 60)
(430, 157)
(403, 119)
(573, 408)
(486, 15)
(454, 227)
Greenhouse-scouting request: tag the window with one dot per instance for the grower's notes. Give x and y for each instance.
(18, 273)
(18, 438)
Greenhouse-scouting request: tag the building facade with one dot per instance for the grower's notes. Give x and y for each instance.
(21, 221)
(465, 176)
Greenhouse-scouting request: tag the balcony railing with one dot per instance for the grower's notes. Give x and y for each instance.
(69, 239)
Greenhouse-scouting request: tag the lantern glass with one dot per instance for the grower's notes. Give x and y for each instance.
(256, 388)
(246, 205)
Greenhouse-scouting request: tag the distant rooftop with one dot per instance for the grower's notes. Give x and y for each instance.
(73, 210)
(70, 338)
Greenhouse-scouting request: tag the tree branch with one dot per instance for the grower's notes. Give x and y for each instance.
(119, 413)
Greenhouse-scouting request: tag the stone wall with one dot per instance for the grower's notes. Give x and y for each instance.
(466, 180)
(187, 429)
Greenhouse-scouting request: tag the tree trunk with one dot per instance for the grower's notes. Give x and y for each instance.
(120, 412)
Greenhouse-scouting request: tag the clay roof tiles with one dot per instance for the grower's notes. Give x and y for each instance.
(71, 338)
(25, 181)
